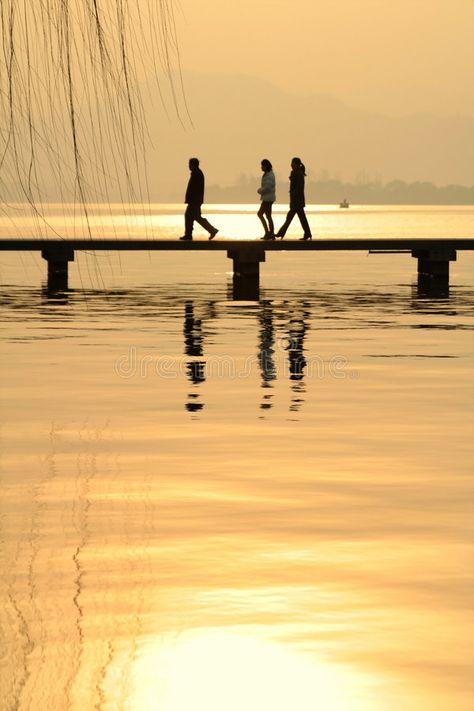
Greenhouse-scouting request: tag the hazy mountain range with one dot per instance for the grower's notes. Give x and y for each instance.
(238, 120)
(234, 122)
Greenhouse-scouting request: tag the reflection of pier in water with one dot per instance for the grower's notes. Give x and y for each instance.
(282, 326)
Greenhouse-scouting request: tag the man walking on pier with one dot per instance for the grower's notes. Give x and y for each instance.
(194, 199)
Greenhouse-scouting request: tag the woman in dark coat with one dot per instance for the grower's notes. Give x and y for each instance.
(297, 201)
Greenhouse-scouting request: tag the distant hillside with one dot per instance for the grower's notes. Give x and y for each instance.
(239, 120)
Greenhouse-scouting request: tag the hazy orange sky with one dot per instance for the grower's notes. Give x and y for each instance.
(242, 63)
(392, 56)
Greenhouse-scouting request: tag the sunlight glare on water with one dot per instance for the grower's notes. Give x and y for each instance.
(225, 669)
(237, 221)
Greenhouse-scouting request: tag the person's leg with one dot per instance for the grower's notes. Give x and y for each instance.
(205, 223)
(304, 223)
(188, 221)
(282, 231)
(260, 214)
(271, 226)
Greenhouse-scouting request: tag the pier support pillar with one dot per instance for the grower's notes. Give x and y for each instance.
(58, 258)
(433, 268)
(246, 278)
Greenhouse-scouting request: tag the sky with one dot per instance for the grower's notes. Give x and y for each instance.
(393, 57)
(359, 72)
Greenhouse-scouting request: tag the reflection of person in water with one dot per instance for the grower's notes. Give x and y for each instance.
(266, 351)
(297, 360)
(193, 346)
(297, 329)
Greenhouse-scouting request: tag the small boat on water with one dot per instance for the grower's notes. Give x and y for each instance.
(344, 203)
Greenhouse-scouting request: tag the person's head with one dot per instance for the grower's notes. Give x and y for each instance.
(296, 164)
(266, 165)
(193, 163)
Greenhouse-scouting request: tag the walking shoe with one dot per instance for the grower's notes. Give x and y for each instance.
(185, 237)
(213, 233)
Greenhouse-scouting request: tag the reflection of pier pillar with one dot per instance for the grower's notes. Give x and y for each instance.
(433, 268)
(246, 278)
(58, 257)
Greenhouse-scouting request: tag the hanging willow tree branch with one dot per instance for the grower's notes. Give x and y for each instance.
(72, 127)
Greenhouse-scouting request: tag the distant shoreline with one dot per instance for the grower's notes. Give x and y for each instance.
(395, 192)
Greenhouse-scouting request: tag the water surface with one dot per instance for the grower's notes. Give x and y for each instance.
(210, 504)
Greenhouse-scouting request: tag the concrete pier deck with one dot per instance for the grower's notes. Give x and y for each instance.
(433, 255)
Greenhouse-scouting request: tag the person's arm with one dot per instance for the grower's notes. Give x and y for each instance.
(189, 191)
(200, 187)
(298, 186)
(293, 186)
(195, 191)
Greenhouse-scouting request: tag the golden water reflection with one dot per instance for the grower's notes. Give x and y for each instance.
(152, 577)
(243, 554)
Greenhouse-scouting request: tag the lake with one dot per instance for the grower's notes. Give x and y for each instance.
(210, 504)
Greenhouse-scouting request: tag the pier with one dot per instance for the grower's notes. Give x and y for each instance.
(433, 255)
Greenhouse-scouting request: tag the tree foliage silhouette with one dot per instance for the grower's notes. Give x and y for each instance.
(71, 117)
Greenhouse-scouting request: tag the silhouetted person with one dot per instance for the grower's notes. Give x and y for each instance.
(267, 196)
(297, 200)
(194, 199)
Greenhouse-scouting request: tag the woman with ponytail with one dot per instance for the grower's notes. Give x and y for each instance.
(297, 200)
